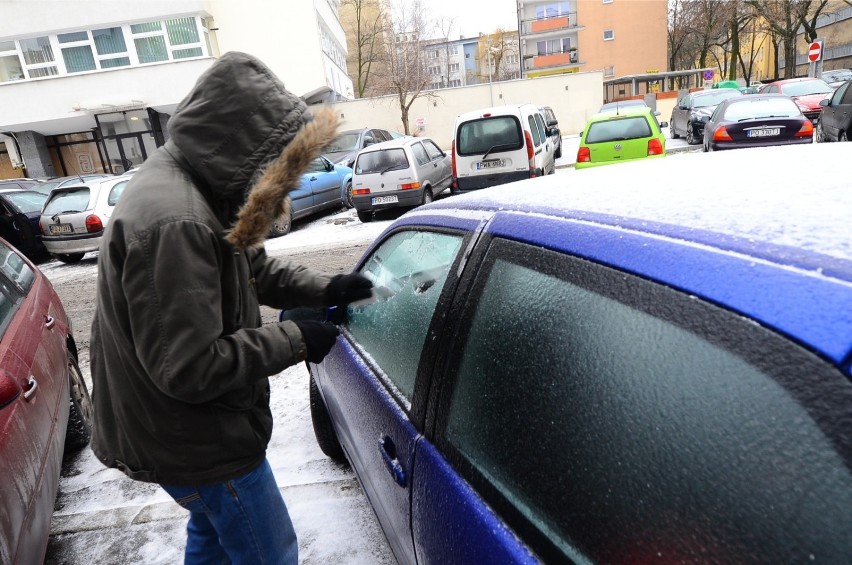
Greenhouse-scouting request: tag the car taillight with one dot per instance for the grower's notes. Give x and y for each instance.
(360, 191)
(655, 147)
(409, 186)
(584, 155)
(455, 172)
(94, 224)
(807, 129)
(722, 134)
(530, 153)
(40, 227)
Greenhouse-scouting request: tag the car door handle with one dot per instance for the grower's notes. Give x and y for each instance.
(49, 322)
(313, 178)
(30, 389)
(388, 451)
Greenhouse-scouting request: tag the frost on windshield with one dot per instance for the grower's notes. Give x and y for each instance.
(408, 272)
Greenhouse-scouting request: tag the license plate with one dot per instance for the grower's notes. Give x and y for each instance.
(385, 199)
(60, 228)
(491, 164)
(768, 132)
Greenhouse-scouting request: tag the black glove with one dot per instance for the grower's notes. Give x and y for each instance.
(319, 338)
(344, 289)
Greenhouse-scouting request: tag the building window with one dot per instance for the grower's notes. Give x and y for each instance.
(551, 46)
(10, 64)
(607, 1)
(608, 35)
(551, 10)
(454, 68)
(38, 57)
(609, 71)
(454, 50)
(455, 83)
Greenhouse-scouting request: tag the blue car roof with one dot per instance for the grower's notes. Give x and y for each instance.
(775, 244)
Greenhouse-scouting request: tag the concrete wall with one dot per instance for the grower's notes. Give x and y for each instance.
(573, 97)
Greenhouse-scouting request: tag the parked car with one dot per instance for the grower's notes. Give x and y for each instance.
(805, 92)
(551, 122)
(45, 409)
(694, 110)
(22, 184)
(19, 214)
(591, 369)
(74, 217)
(346, 146)
(757, 121)
(632, 133)
(836, 77)
(835, 124)
(501, 144)
(324, 185)
(59, 182)
(404, 172)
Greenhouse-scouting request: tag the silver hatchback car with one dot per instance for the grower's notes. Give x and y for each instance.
(74, 217)
(405, 172)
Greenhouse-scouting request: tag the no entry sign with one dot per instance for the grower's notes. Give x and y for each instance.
(815, 51)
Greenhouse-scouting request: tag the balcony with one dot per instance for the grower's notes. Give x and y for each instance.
(547, 25)
(551, 60)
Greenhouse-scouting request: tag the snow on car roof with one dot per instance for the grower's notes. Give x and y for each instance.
(794, 197)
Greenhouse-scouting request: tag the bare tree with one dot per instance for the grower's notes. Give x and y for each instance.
(445, 26)
(755, 40)
(783, 18)
(371, 27)
(493, 49)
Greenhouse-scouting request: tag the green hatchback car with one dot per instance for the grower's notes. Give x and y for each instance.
(632, 133)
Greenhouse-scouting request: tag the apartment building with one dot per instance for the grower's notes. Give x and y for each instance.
(89, 87)
(620, 37)
(472, 60)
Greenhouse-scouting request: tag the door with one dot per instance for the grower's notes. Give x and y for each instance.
(325, 183)
(833, 114)
(126, 151)
(440, 162)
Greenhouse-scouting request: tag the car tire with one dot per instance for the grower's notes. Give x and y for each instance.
(842, 136)
(347, 195)
(323, 428)
(80, 415)
(427, 196)
(672, 131)
(690, 135)
(558, 153)
(365, 215)
(705, 147)
(819, 135)
(281, 225)
(69, 258)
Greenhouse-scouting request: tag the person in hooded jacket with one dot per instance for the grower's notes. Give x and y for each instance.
(179, 357)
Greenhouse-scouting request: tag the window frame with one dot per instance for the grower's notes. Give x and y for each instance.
(611, 34)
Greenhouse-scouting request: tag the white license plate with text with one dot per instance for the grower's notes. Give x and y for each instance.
(767, 132)
(56, 229)
(385, 200)
(491, 164)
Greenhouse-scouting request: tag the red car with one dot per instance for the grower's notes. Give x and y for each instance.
(45, 409)
(805, 92)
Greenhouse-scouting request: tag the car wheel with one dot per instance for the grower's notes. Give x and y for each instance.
(427, 196)
(558, 153)
(69, 257)
(323, 429)
(365, 215)
(690, 135)
(672, 131)
(80, 415)
(842, 136)
(347, 198)
(281, 225)
(819, 135)
(705, 147)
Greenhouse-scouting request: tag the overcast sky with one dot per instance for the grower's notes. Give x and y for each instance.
(474, 17)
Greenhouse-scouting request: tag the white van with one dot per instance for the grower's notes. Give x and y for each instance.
(499, 145)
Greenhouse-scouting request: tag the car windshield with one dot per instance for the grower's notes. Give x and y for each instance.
(761, 108)
(836, 76)
(27, 200)
(620, 129)
(48, 186)
(344, 142)
(714, 98)
(74, 200)
(381, 161)
(498, 133)
(816, 86)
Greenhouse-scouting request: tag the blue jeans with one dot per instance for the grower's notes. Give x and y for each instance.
(240, 521)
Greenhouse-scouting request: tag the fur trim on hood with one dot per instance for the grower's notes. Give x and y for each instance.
(268, 198)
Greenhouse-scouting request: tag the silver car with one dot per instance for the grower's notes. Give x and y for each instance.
(74, 217)
(405, 172)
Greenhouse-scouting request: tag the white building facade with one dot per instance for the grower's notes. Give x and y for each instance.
(89, 87)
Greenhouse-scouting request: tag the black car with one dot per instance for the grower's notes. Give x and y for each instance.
(22, 184)
(693, 110)
(553, 126)
(758, 120)
(19, 214)
(836, 121)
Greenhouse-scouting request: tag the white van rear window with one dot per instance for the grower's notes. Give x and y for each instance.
(498, 133)
(618, 130)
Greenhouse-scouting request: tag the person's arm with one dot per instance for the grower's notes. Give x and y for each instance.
(285, 285)
(172, 279)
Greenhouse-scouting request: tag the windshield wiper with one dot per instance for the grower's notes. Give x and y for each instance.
(56, 215)
(495, 147)
(390, 168)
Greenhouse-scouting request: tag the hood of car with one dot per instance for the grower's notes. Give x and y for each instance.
(811, 101)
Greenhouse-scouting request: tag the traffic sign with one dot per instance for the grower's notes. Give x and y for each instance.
(708, 75)
(815, 51)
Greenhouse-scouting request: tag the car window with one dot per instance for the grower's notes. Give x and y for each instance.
(715, 98)
(116, 192)
(805, 87)
(344, 142)
(838, 95)
(381, 161)
(542, 130)
(420, 154)
(27, 201)
(381, 135)
(316, 166)
(433, 150)
(761, 108)
(847, 98)
(536, 134)
(478, 136)
(620, 129)
(15, 268)
(610, 428)
(369, 140)
(408, 272)
(72, 200)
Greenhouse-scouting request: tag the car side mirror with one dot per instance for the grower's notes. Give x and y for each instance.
(664, 124)
(553, 131)
(825, 102)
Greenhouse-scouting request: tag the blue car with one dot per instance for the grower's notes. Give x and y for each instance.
(324, 185)
(600, 367)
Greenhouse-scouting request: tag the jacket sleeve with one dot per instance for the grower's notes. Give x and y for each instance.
(282, 284)
(172, 281)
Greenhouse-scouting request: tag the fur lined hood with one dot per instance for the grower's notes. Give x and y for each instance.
(248, 140)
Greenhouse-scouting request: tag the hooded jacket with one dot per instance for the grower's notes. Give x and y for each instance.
(179, 357)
